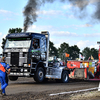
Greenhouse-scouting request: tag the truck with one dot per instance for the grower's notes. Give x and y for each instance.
(27, 54)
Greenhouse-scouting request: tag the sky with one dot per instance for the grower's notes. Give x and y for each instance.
(64, 21)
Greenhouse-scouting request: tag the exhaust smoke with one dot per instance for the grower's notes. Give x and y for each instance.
(30, 13)
(33, 6)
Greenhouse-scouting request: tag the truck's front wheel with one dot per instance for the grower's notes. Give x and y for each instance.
(13, 78)
(65, 77)
(39, 75)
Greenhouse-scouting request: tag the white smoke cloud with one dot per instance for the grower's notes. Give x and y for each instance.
(0, 33)
(92, 35)
(5, 12)
(67, 7)
(50, 12)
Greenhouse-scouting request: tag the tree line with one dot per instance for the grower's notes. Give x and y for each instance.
(73, 51)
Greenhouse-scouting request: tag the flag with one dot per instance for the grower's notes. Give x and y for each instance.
(80, 56)
(66, 55)
(89, 58)
(92, 57)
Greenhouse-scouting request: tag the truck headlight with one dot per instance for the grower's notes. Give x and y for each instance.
(25, 70)
(25, 65)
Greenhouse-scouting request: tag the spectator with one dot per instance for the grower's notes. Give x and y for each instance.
(4, 70)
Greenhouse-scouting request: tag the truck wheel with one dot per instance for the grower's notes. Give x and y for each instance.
(13, 78)
(65, 77)
(39, 75)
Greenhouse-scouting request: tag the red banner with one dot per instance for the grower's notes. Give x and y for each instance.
(99, 54)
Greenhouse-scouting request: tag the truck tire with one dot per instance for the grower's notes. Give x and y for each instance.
(13, 78)
(39, 75)
(65, 77)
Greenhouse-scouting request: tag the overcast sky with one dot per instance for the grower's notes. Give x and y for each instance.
(64, 21)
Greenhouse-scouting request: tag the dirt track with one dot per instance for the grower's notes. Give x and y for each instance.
(28, 89)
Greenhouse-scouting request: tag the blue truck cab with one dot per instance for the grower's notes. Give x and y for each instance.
(27, 54)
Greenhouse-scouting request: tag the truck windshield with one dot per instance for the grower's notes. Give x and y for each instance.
(18, 43)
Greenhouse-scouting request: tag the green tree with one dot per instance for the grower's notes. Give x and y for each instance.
(74, 52)
(64, 48)
(52, 49)
(94, 53)
(15, 30)
(86, 53)
(10, 31)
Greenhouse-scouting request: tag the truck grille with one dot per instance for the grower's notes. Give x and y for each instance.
(15, 58)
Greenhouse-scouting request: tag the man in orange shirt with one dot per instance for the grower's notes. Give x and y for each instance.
(3, 75)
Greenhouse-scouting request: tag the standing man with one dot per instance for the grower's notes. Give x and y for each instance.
(4, 70)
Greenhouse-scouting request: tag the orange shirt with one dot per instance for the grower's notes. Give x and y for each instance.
(2, 68)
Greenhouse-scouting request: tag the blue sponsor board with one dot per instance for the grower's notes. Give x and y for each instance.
(15, 35)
